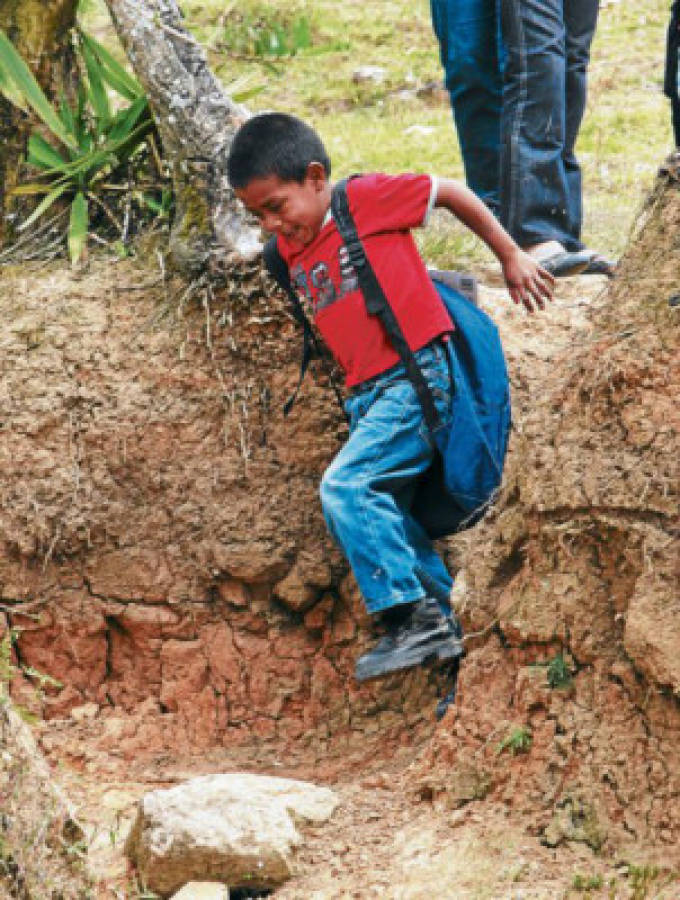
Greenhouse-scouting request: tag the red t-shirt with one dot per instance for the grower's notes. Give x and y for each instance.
(384, 208)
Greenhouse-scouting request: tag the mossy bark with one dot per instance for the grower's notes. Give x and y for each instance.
(40, 30)
(197, 121)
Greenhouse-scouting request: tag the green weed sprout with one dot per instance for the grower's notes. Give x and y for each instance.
(517, 741)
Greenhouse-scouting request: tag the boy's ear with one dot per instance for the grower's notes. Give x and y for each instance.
(316, 175)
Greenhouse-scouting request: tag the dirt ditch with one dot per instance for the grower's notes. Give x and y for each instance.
(165, 562)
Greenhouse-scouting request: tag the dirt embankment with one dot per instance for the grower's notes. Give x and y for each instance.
(164, 556)
(579, 574)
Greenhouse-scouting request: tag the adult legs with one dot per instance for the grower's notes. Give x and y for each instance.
(547, 44)
(470, 48)
(671, 83)
(580, 19)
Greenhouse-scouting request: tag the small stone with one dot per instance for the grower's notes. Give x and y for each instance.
(233, 591)
(86, 711)
(420, 130)
(202, 890)
(406, 96)
(374, 74)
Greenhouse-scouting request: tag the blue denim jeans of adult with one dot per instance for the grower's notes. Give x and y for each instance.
(471, 52)
(367, 491)
(547, 48)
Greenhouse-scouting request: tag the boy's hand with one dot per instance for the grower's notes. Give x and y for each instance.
(527, 281)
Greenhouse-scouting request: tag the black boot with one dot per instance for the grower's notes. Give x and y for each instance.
(425, 635)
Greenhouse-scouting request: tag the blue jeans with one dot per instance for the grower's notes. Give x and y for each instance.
(471, 52)
(518, 101)
(367, 491)
(547, 51)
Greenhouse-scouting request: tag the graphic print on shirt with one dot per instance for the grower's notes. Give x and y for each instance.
(318, 289)
(350, 282)
(325, 289)
(298, 277)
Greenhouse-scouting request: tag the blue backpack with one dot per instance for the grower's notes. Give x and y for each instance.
(464, 479)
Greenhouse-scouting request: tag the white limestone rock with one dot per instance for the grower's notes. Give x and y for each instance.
(238, 829)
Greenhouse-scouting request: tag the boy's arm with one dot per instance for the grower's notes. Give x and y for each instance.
(527, 281)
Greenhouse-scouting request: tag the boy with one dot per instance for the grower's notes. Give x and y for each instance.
(280, 170)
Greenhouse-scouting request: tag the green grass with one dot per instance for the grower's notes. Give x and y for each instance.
(585, 883)
(625, 134)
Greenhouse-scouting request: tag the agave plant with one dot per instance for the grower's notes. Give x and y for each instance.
(86, 141)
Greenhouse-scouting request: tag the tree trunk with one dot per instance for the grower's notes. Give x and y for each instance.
(40, 30)
(197, 122)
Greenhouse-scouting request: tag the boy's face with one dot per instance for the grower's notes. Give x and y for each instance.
(289, 208)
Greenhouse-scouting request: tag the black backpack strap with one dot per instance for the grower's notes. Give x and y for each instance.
(377, 303)
(278, 269)
(276, 266)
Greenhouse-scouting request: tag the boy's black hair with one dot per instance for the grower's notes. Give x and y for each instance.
(274, 144)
